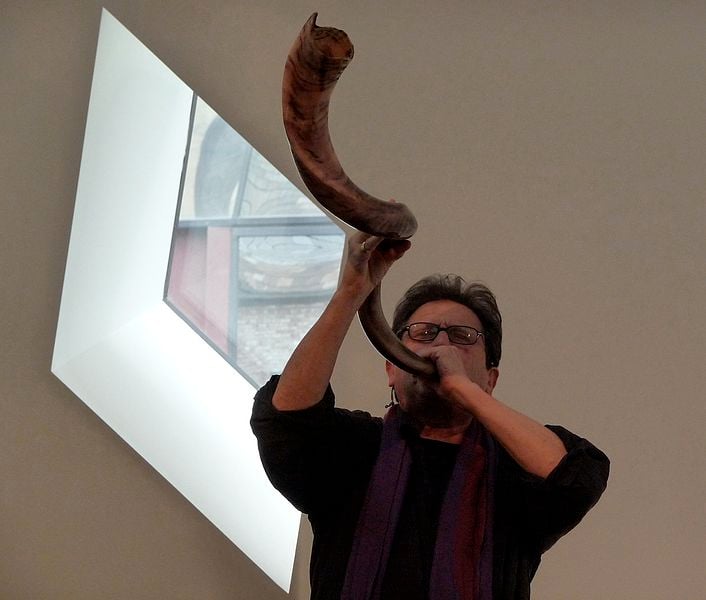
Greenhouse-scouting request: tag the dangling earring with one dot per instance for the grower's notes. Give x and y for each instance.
(393, 397)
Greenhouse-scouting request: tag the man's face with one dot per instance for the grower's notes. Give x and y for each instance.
(419, 396)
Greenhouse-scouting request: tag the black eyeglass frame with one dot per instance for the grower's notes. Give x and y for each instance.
(439, 329)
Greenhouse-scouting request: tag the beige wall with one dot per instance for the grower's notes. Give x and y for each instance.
(555, 150)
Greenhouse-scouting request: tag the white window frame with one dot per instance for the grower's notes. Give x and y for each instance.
(119, 347)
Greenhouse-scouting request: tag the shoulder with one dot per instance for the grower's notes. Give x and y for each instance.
(584, 464)
(546, 509)
(319, 427)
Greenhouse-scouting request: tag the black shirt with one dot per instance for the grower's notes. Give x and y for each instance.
(321, 458)
(412, 553)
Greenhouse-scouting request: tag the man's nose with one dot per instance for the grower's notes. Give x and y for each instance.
(441, 339)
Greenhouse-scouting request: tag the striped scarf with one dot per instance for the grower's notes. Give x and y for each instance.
(462, 567)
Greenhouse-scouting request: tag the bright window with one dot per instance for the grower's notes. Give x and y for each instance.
(253, 260)
(121, 349)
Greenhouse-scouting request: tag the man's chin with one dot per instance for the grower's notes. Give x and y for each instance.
(426, 408)
(431, 413)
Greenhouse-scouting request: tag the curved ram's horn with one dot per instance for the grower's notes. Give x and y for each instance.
(314, 65)
(386, 342)
(315, 62)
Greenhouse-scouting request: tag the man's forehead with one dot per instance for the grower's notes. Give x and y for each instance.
(449, 311)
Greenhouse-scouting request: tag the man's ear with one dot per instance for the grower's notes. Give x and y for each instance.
(390, 370)
(493, 375)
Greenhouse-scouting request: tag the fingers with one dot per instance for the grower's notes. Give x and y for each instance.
(394, 249)
(369, 243)
(364, 244)
(447, 359)
(367, 261)
(373, 255)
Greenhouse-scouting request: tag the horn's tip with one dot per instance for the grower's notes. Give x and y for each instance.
(311, 22)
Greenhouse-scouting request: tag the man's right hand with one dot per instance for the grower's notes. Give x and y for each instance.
(309, 369)
(368, 260)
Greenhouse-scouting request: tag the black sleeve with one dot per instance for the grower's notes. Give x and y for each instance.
(316, 455)
(553, 506)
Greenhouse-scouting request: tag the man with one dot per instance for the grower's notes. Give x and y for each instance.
(454, 495)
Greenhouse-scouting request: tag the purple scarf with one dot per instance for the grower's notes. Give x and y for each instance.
(463, 555)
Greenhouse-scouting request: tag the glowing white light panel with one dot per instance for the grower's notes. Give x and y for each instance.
(119, 347)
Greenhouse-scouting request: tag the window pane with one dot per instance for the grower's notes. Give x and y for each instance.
(225, 176)
(269, 193)
(254, 261)
(289, 265)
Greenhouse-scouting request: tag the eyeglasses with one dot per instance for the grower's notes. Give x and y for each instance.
(427, 332)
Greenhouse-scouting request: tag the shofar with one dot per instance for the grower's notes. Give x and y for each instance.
(315, 62)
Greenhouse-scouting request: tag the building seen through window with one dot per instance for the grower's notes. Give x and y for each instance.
(253, 260)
